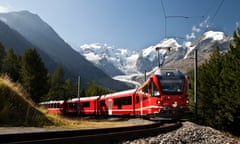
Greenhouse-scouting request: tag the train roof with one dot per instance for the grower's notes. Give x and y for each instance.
(52, 102)
(84, 98)
(169, 73)
(120, 93)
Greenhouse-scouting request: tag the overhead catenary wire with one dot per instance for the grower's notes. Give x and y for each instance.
(165, 21)
(211, 19)
(173, 16)
(218, 8)
(204, 17)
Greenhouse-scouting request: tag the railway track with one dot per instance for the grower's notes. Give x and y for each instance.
(92, 136)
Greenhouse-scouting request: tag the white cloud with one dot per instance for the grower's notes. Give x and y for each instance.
(190, 36)
(205, 24)
(237, 24)
(4, 9)
(195, 29)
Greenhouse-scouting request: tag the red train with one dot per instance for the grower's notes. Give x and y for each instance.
(162, 96)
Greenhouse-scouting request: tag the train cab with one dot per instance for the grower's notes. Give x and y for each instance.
(164, 95)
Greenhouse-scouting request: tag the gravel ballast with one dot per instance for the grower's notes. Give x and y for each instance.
(189, 133)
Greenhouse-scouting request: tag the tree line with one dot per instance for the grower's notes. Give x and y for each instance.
(29, 70)
(218, 89)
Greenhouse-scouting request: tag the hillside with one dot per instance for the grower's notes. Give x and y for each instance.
(16, 109)
(42, 36)
(12, 39)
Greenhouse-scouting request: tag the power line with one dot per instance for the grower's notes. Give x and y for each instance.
(165, 21)
(215, 14)
(218, 8)
(166, 17)
(186, 17)
(164, 11)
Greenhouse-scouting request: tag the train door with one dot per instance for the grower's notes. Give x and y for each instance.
(138, 104)
(110, 106)
(140, 98)
(145, 99)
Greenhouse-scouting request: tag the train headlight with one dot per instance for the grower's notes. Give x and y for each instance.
(174, 104)
(187, 101)
(158, 102)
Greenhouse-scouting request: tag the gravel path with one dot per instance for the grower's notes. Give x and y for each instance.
(189, 133)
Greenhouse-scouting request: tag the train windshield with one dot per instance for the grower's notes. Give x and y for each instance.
(172, 86)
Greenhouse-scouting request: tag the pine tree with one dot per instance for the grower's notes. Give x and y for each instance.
(70, 89)
(2, 54)
(33, 74)
(56, 84)
(214, 68)
(218, 89)
(230, 88)
(92, 89)
(10, 64)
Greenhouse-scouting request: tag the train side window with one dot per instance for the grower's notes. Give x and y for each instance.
(137, 99)
(128, 100)
(102, 103)
(72, 105)
(122, 101)
(85, 104)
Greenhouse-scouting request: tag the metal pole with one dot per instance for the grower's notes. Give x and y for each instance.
(195, 81)
(158, 57)
(145, 75)
(78, 106)
(158, 49)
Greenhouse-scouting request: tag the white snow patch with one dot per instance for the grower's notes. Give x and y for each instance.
(214, 35)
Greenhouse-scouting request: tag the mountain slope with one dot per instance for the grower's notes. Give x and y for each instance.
(12, 39)
(39, 33)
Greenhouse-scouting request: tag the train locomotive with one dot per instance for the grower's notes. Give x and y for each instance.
(163, 96)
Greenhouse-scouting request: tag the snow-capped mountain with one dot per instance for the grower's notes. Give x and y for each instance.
(204, 45)
(110, 59)
(119, 61)
(148, 58)
(207, 42)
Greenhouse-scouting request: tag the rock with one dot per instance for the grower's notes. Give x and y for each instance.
(189, 133)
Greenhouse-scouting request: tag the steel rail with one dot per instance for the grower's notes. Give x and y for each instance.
(92, 136)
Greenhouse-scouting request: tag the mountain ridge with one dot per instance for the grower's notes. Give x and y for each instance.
(41, 35)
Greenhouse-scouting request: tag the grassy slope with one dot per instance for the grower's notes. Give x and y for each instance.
(16, 109)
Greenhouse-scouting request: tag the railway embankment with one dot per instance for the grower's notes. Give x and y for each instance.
(189, 133)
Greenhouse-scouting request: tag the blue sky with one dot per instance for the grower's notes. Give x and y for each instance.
(131, 24)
